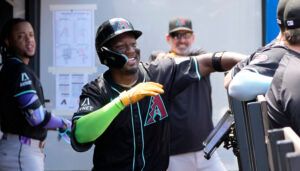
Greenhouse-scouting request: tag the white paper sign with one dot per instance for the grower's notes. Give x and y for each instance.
(73, 38)
(68, 90)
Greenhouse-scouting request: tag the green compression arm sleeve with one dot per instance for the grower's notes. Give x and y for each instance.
(91, 126)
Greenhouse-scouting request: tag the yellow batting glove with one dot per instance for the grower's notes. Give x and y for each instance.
(140, 91)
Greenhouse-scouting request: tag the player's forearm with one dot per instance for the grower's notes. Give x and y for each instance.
(55, 122)
(221, 61)
(90, 127)
(246, 85)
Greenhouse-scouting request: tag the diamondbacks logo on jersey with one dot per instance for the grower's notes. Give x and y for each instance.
(156, 111)
(25, 80)
(86, 105)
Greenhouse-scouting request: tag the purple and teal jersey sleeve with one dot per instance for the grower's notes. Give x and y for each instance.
(29, 95)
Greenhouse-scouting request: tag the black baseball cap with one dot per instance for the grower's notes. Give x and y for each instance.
(180, 23)
(292, 14)
(280, 11)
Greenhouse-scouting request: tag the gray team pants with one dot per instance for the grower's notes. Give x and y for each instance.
(16, 155)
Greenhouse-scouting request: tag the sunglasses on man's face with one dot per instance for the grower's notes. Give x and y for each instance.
(178, 35)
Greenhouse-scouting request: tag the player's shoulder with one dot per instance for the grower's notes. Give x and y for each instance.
(17, 70)
(93, 86)
(276, 47)
(276, 50)
(156, 54)
(292, 54)
(289, 60)
(195, 52)
(14, 65)
(270, 53)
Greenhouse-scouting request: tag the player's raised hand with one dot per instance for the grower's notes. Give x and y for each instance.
(140, 91)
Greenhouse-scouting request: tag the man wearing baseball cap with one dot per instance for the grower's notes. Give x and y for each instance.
(181, 37)
(283, 97)
(191, 110)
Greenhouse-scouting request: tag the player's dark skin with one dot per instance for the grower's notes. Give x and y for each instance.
(126, 44)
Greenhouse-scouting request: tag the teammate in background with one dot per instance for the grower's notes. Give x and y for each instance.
(191, 109)
(283, 97)
(24, 122)
(254, 77)
(124, 112)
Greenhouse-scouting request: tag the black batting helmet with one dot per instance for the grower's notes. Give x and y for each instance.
(107, 31)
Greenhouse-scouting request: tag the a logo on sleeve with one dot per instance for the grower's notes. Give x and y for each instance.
(25, 80)
(156, 111)
(259, 58)
(86, 105)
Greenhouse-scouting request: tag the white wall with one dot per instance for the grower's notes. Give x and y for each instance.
(19, 8)
(233, 25)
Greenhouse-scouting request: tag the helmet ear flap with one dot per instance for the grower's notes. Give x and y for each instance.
(111, 58)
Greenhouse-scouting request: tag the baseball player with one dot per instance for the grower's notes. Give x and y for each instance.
(24, 122)
(283, 97)
(256, 74)
(124, 112)
(191, 120)
(278, 41)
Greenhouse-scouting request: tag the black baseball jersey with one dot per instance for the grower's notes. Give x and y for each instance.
(238, 67)
(264, 61)
(191, 115)
(17, 78)
(138, 138)
(283, 96)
